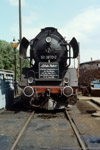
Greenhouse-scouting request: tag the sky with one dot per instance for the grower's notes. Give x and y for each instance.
(72, 18)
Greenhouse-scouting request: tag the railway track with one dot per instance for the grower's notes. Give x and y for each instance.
(42, 130)
(22, 131)
(76, 131)
(48, 116)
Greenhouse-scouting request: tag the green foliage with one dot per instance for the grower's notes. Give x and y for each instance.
(7, 60)
(5, 51)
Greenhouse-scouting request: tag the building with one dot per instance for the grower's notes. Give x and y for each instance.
(90, 65)
(88, 71)
(6, 88)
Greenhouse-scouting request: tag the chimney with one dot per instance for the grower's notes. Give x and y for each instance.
(91, 59)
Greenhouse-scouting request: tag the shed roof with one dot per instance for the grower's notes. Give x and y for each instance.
(90, 62)
(6, 70)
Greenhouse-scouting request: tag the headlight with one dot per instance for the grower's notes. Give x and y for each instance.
(48, 39)
(30, 80)
(66, 80)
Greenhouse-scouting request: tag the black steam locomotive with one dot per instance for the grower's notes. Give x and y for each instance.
(49, 83)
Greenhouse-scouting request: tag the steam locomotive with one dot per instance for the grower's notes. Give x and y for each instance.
(49, 83)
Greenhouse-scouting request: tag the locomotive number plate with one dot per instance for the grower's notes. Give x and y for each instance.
(48, 70)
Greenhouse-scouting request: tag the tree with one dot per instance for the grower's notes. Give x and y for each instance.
(7, 58)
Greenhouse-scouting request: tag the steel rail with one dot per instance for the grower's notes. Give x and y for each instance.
(22, 131)
(81, 143)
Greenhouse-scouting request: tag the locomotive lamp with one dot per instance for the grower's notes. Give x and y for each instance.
(48, 39)
(30, 77)
(30, 80)
(66, 80)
